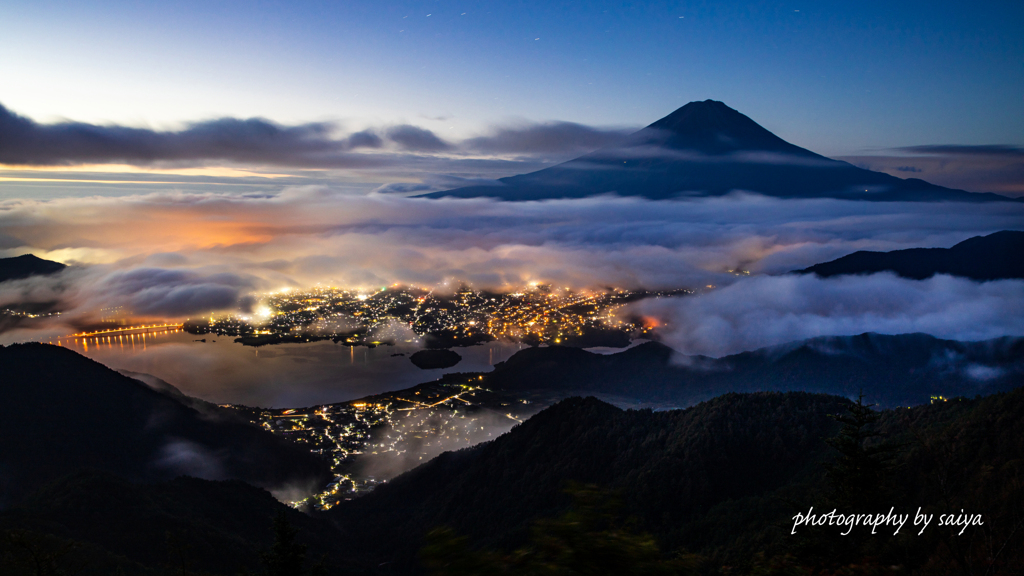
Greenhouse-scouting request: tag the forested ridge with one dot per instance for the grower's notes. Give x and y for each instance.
(670, 466)
(724, 479)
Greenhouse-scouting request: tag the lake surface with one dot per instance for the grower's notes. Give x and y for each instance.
(282, 375)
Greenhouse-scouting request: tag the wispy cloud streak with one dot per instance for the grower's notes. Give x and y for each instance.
(257, 141)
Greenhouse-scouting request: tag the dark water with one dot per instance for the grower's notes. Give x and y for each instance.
(283, 375)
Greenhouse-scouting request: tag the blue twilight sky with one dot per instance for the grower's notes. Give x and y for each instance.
(839, 78)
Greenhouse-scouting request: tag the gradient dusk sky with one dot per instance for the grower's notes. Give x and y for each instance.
(840, 78)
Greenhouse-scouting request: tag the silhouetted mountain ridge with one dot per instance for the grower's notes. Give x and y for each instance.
(998, 256)
(899, 370)
(27, 265)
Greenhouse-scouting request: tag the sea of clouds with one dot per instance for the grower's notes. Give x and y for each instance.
(175, 255)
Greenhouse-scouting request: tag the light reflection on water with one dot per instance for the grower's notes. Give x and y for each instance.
(281, 375)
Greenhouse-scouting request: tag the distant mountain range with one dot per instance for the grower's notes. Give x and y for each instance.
(27, 265)
(901, 370)
(708, 149)
(997, 256)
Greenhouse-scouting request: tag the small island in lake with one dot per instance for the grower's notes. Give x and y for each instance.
(433, 359)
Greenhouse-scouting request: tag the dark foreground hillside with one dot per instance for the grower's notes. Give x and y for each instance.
(712, 489)
(61, 412)
(674, 468)
(94, 523)
(724, 480)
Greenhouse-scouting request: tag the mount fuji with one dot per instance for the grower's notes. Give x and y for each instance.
(708, 149)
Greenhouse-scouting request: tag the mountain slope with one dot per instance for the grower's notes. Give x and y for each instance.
(61, 411)
(994, 257)
(672, 467)
(900, 370)
(708, 149)
(185, 525)
(723, 479)
(27, 265)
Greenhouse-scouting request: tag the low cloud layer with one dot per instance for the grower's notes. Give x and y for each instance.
(160, 292)
(85, 293)
(771, 310)
(180, 255)
(189, 458)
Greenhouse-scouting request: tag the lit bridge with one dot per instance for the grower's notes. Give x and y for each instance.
(128, 330)
(124, 337)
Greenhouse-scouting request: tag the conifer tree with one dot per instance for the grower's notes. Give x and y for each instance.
(286, 556)
(859, 478)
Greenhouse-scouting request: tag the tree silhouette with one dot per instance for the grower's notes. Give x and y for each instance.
(589, 539)
(858, 482)
(286, 556)
(859, 478)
